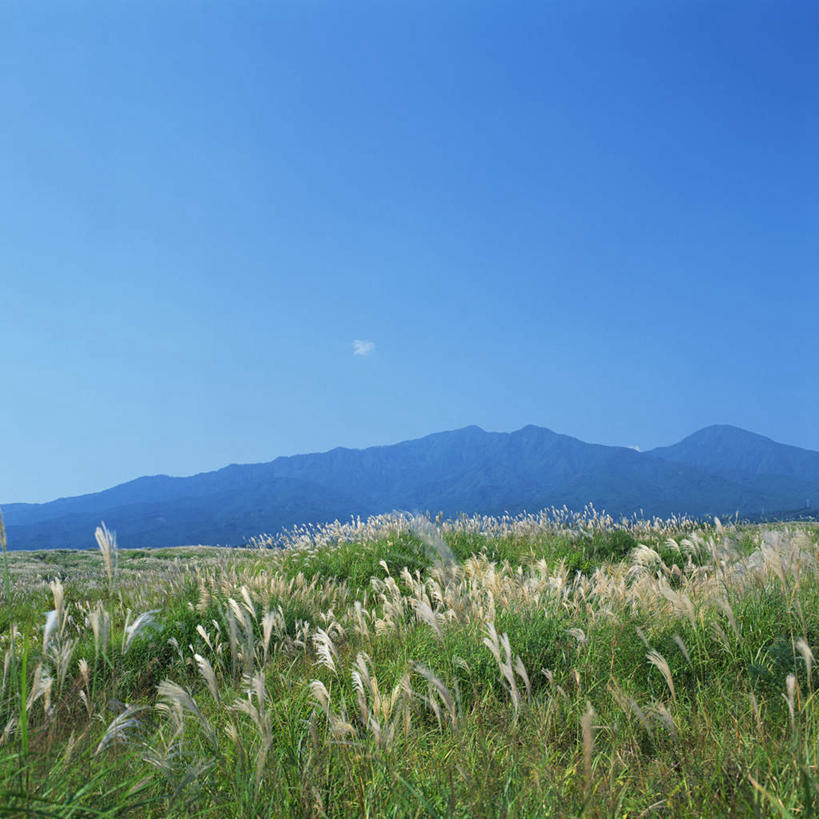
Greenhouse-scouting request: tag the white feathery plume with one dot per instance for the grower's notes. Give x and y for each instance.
(107, 541)
(807, 655)
(49, 628)
(426, 615)
(325, 650)
(659, 662)
(133, 630)
(206, 670)
(119, 727)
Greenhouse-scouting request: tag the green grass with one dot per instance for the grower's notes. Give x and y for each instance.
(421, 718)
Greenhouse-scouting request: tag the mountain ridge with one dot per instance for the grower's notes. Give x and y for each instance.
(717, 470)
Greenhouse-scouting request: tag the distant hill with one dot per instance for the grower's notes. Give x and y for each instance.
(727, 450)
(773, 469)
(718, 470)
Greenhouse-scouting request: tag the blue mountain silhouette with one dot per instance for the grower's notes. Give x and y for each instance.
(720, 470)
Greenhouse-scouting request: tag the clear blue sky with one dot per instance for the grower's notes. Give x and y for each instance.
(596, 217)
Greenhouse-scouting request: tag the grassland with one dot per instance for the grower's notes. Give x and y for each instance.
(544, 665)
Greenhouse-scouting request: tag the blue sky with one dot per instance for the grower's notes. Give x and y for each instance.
(596, 217)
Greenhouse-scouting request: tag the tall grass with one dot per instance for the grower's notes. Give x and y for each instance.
(4, 546)
(107, 542)
(539, 665)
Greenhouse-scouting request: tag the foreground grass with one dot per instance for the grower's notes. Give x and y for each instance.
(481, 667)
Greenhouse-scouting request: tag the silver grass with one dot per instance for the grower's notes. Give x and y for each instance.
(260, 716)
(321, 695)
(204, 635)
(61, 657)
(720, 636)
(807, 655)
(578, 635)
(9, 655)
(520, 669)
(325, 650)
(119, 728)
(86, 678)
(175, 695)
(426, 615)
(681, 645)
(69, 748)
(58, 592)
(756, 710)
(238, 613)
(100, 621)
(174, 643)
(586, 727)
(680, 602)
(630, 705)
(206, 670)
(248, 602)
(789, 696)
(43, 683)
(361, 685)
(82, 665)
(8, 730)
(107, 542)
(434, 706)
(204, 599)
(725, 607)
(361, 616)
(269, 622)
(51, 624)
(495, 644)
(442, 691)
(658, 661)
(663, 716)
(133, 630)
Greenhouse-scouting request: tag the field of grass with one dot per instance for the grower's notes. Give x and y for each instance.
(563, 665)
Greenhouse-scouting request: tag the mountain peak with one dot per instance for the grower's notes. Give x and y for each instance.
(469, 430)
(726, 432)
(733, 452)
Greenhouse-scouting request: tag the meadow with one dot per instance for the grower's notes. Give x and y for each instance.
(544, 665)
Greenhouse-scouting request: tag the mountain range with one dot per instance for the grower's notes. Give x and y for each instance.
(720, 470)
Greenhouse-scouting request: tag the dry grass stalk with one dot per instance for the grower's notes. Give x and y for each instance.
(659, 662)
(107, 542)
(586, 727)
(807, 656)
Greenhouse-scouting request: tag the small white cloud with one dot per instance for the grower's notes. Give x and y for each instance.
(362, 347)
(635, 447)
